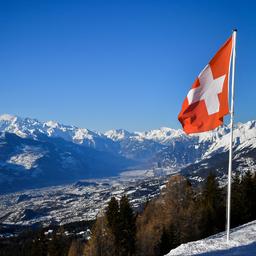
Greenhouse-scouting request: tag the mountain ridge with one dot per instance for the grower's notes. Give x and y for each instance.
(81, 151)
(11, 123)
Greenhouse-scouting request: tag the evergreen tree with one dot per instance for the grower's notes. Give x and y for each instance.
(113, 221)
(236, 201)
(248, 197)
(164, 245)
(114, 234)
(254, 196)
(213, 207)
(127, 228)
(168, 240)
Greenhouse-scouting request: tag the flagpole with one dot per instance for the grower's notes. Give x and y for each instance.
(231, 133)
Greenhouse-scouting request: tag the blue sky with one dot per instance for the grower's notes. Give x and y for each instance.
(118, 64)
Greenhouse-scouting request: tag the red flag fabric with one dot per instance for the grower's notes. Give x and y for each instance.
(207, 102)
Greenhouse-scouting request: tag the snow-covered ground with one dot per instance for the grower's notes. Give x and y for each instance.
(242, 242)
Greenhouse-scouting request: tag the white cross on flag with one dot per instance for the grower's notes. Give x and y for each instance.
(207, 102)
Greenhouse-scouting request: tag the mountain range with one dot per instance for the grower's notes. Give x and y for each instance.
(35, 154)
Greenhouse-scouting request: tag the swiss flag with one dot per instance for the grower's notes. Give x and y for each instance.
(207, 102)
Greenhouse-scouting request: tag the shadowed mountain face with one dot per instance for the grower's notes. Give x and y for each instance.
(35, 154)
(243, 160)
(28, 163)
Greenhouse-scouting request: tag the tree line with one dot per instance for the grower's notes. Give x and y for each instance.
(182, 213)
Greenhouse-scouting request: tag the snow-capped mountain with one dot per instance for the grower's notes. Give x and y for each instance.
(118, 135)
(32, 128)
(174, 148)
(121, 141)
(31, 150)
(163, 135)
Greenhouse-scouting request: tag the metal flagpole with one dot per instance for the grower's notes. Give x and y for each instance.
(231, 133)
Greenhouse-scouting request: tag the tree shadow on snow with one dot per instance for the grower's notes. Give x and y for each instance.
(244, 250)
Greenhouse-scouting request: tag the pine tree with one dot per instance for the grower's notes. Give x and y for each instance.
(127, 228)
(168, 240)
(213, 208)
(247, 189)
(236, 201)
(254, 196)
(113, 222)
(164, 245)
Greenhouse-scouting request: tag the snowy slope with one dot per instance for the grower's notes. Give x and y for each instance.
(242, 242)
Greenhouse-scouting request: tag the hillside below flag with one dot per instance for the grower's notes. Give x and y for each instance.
(207, 102)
